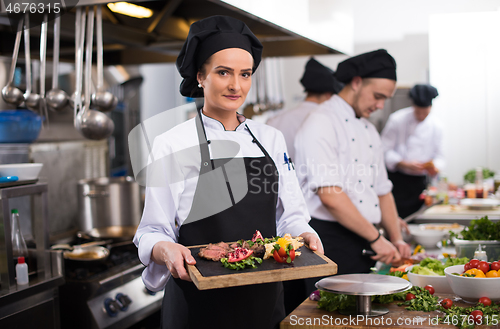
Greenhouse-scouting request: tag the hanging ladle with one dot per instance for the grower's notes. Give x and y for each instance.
(92, 124)
(12, 94)
(31, 100)
(56, 98)
(103, 100)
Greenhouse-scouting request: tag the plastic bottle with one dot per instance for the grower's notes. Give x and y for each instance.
(19, 248)
(21, 272)
(481, 254)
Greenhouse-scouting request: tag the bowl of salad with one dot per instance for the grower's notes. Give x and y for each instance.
(430, 271)
(471, 288)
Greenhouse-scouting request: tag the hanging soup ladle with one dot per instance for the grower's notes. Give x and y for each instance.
(103, 100)
(32, 100)
(10, 93)
(92, 124)
(56, 98)
(42, 104)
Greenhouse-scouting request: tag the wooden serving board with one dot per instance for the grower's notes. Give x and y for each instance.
(207, 274)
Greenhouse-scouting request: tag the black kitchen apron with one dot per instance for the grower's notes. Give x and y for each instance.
(252, 306)
(406, 190)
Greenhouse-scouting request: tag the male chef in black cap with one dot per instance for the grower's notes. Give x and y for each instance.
(413, 149)
(320, 85)
(340, 166)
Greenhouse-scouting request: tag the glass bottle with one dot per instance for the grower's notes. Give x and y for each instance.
(19, 248)
(479, 183)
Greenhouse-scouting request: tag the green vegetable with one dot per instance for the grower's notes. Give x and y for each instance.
(470, 176)
(239, 265)
(423, 300)
(398, 274)
(458, 316)
(480, 229)
(432, 266)
(333, 302)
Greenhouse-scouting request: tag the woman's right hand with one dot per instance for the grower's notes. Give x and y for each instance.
(173, 256)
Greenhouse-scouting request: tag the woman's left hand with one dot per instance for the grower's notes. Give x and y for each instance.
(313, 241)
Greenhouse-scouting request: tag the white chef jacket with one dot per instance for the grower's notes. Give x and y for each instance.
(289, 122)
(166, 207)
(406, 139)
(334, 148)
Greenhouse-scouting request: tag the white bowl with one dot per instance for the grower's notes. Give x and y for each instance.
(480, 204)
(427, 238)
(471, 289)
(24, 171)
(439, 283)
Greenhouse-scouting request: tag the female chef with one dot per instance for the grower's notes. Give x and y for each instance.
(237, 181)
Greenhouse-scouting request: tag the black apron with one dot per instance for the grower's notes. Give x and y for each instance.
(406, 190)
(252, 306)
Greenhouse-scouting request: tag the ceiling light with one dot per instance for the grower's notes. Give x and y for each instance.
(130, 9)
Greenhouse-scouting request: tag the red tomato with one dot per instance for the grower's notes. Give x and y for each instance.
(278, 258)
(292, 254)
(495, 266)
(446, 303)
(410, 296)
(473, 263)
(466, 267)
(485, 301)
(483, 266)
(477, 315)
(282, 252)
(430, 289)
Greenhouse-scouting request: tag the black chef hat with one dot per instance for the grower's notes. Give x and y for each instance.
(375, 64)
(205, 38)
(422, 95)
(319, 78)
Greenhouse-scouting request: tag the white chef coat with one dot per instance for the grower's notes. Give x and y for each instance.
(334, 148)
(289, 122)
(406, 139)
(166, 207)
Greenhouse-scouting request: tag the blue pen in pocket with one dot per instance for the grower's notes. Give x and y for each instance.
(287, 162)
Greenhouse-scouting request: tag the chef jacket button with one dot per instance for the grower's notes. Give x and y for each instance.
(366, 126)
(376, 205)
(360, 180)
(353, 139)
(360, 201)
(205, 164)
(355, 160)
(370, 145)
(371, 186)
(346, 120)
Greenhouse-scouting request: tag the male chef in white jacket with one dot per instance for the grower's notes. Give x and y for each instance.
(340, 165)
(320, 85)
(413, 147)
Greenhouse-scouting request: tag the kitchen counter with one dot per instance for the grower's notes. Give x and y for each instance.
(455, 213)
(308, 316)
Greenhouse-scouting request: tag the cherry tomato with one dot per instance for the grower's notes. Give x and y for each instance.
(282, 252)
(466, 267)
(430, 289)
(446, 303)
(485, 301)
(292, 254)
(477, 315)
(278, 258)
(483, 266)
(410, 296)
(495, 266)
(473, 263)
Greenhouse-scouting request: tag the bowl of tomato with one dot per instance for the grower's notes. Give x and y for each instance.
(468, 282)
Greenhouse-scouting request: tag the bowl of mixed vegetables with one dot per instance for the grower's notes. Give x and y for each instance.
(430, 271)
(472, 284)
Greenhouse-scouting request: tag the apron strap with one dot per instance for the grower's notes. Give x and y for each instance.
(205, 153)
(255, 140)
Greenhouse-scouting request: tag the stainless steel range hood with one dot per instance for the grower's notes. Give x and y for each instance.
(159, 38)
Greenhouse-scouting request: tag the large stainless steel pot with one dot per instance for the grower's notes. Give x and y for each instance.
(108, 202)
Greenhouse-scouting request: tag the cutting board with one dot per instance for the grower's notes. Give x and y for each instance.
(207, 274)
